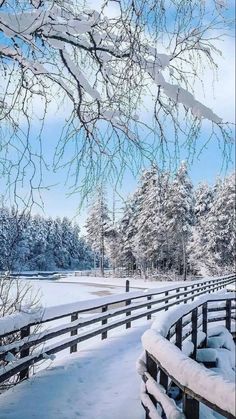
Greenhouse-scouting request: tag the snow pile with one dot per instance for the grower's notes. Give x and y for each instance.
(222, 333)
(206, 355)
(222, 340)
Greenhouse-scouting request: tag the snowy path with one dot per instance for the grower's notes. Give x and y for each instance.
(100, 382)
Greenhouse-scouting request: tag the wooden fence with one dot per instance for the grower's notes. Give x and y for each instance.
(84, 320)
(184, 326)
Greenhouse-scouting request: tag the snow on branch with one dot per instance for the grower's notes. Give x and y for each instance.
(54, 28)
(105, 66)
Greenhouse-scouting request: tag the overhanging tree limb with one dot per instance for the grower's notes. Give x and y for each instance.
(104, 67)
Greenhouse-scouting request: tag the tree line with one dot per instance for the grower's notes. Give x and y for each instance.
(38, 243)
(168, 226)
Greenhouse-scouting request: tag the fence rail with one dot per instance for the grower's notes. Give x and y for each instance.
(31, 333)
(192, 322)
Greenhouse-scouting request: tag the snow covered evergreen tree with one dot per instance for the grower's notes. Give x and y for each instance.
(147, 239)
(98, 225)
(220, 231)
(197, 251)
(142, 227)
(179, 219)
(127, 231)
(38, 243)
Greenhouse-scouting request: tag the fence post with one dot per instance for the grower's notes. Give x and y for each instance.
(128, 324)
(163, 380)
(185, 295)
(178, 333)
(208, 286)
(194, 331)
(152, 370)
(149, 307)
(228, 315)
(177, 297)
(166, 301)
(25, 331)
(104, 334)
(73, 348)
(204, 321)
(190, 407)
(192, 292)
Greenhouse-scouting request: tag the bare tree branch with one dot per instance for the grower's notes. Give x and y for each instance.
(104, 67)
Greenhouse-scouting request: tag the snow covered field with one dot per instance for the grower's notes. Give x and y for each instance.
(135, 283)
(79, 288)
(52, 293)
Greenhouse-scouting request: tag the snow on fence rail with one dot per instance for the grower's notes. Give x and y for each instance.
(84, 320)
(173, 338)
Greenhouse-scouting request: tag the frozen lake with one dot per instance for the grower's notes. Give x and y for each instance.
(76, 288)
(52, 293)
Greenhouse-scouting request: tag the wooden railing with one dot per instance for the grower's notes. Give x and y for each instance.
(190, 325)
(84, 320)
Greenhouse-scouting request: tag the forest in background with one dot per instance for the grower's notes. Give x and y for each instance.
(167, 227)
(39, 243)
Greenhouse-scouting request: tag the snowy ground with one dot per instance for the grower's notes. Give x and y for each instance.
(135, 283)
(53, 293)
(79, 288)
(100, 381)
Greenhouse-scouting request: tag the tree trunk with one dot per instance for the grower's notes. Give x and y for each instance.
(102, 252)
(94, 261)
(184, 259)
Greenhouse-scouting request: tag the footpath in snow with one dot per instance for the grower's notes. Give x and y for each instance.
(100, 382)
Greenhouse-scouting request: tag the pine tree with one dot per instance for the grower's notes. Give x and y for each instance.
(198, 254)
(4, 238)
(180, 218)
(220, 232)
(142, 243)
(97, 226)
